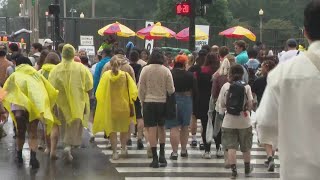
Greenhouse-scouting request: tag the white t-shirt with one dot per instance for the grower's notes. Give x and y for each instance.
(231, 121)
(288, 55)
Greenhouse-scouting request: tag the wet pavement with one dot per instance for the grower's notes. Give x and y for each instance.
(89, 163)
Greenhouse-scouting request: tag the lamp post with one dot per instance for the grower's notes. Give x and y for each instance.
(261, 15)
(72, 11)
(47, 14)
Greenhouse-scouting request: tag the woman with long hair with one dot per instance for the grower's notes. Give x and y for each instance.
(204, 77)
(115, 95)
(155, 84)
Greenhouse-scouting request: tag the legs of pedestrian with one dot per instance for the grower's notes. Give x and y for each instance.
(153, 133)
(232, 159)
(140, 128)
(175, 140)
(33, 143)
(270, 161)
(193, 129)
(207, 146)
(184, 136)
(123, 140)
(21, 129)
(113, 140)
(217, 140)
(54, 142)
(162, 140)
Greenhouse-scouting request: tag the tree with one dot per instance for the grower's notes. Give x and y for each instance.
(9, 8)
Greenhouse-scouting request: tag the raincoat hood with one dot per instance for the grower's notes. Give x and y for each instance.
(48, 67)
(68, 52)
(26, 69)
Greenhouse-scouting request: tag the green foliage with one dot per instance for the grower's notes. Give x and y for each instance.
(279, 24)
(9, 8)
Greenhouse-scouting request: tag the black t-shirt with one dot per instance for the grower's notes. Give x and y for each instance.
(259, 86)
(183, 80)
(137, 70)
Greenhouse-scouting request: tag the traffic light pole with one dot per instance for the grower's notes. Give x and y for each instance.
(192, 29)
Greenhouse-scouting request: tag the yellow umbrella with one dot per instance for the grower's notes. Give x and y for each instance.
(184, 35)
(238, 32)
(118, 29)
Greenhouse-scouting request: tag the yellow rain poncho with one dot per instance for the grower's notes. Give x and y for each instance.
(113, 112)
(29, 89)
(74, 81)
(46, 69)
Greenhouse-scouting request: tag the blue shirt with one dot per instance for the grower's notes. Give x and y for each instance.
(253, 64)
(97, 73)
(242, 58)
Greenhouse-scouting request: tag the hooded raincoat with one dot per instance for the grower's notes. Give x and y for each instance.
(114, 94)
(29, 89)
(74, 81)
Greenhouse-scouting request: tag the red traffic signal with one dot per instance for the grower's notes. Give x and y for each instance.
(183, 8)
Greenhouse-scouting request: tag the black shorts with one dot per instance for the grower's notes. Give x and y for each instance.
(137, 106)
(154, 114)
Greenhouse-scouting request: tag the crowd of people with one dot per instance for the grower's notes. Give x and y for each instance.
(137, 93)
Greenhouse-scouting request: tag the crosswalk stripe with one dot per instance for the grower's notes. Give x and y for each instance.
(136, 165)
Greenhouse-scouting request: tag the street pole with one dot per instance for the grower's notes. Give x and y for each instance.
(64, 8)
(261, 28)
(93, 8)
(192, 28)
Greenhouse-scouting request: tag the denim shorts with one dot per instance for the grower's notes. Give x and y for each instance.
(184, 112)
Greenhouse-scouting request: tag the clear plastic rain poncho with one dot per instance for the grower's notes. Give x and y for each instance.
(29, 89)
(74, 81)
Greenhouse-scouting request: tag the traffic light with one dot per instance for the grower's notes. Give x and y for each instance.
(183, 8)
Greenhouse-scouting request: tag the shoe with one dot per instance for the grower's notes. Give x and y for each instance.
(248, 171)
(234, 174)
(92, 139)
(124, 153)
(185, 154)
(19, 158)
(206, 155)
(129, 142)
(174, 156)
(53, 156)
(67, 155)
(115, 156)
(219, 153)
(201, 147)
(162, 161)
(154, 163)
(194, 143)
(34, 163)
(140, 145)
(149, 152)
(40, 147)
(271, 166)
(47, 151)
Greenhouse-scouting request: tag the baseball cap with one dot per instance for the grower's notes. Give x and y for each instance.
(292, 43)
(47, 41)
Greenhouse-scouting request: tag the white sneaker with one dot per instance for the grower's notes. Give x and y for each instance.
(206, 155)
(219, 153)
(124, 153)
(115, 156)
(67, 155)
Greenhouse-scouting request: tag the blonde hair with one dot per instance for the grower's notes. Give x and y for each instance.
(191, 60)
(232, 59)
(224, 67)
(115, 64)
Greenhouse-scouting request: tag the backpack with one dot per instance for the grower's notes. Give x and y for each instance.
(236, 98)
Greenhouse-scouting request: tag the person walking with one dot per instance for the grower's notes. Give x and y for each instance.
(50, 63)
(289, 110)
(236, 103)
(115, 95)
(155, 84)
(241, 51)
(204, 78)
(74, 82)
(218, 80)
(30, 99)
(186, 88)
(292, 51)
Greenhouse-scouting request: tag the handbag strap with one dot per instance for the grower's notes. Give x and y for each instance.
(128, 87)
(315, 59)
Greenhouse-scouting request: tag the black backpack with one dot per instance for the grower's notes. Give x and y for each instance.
(236, 98)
